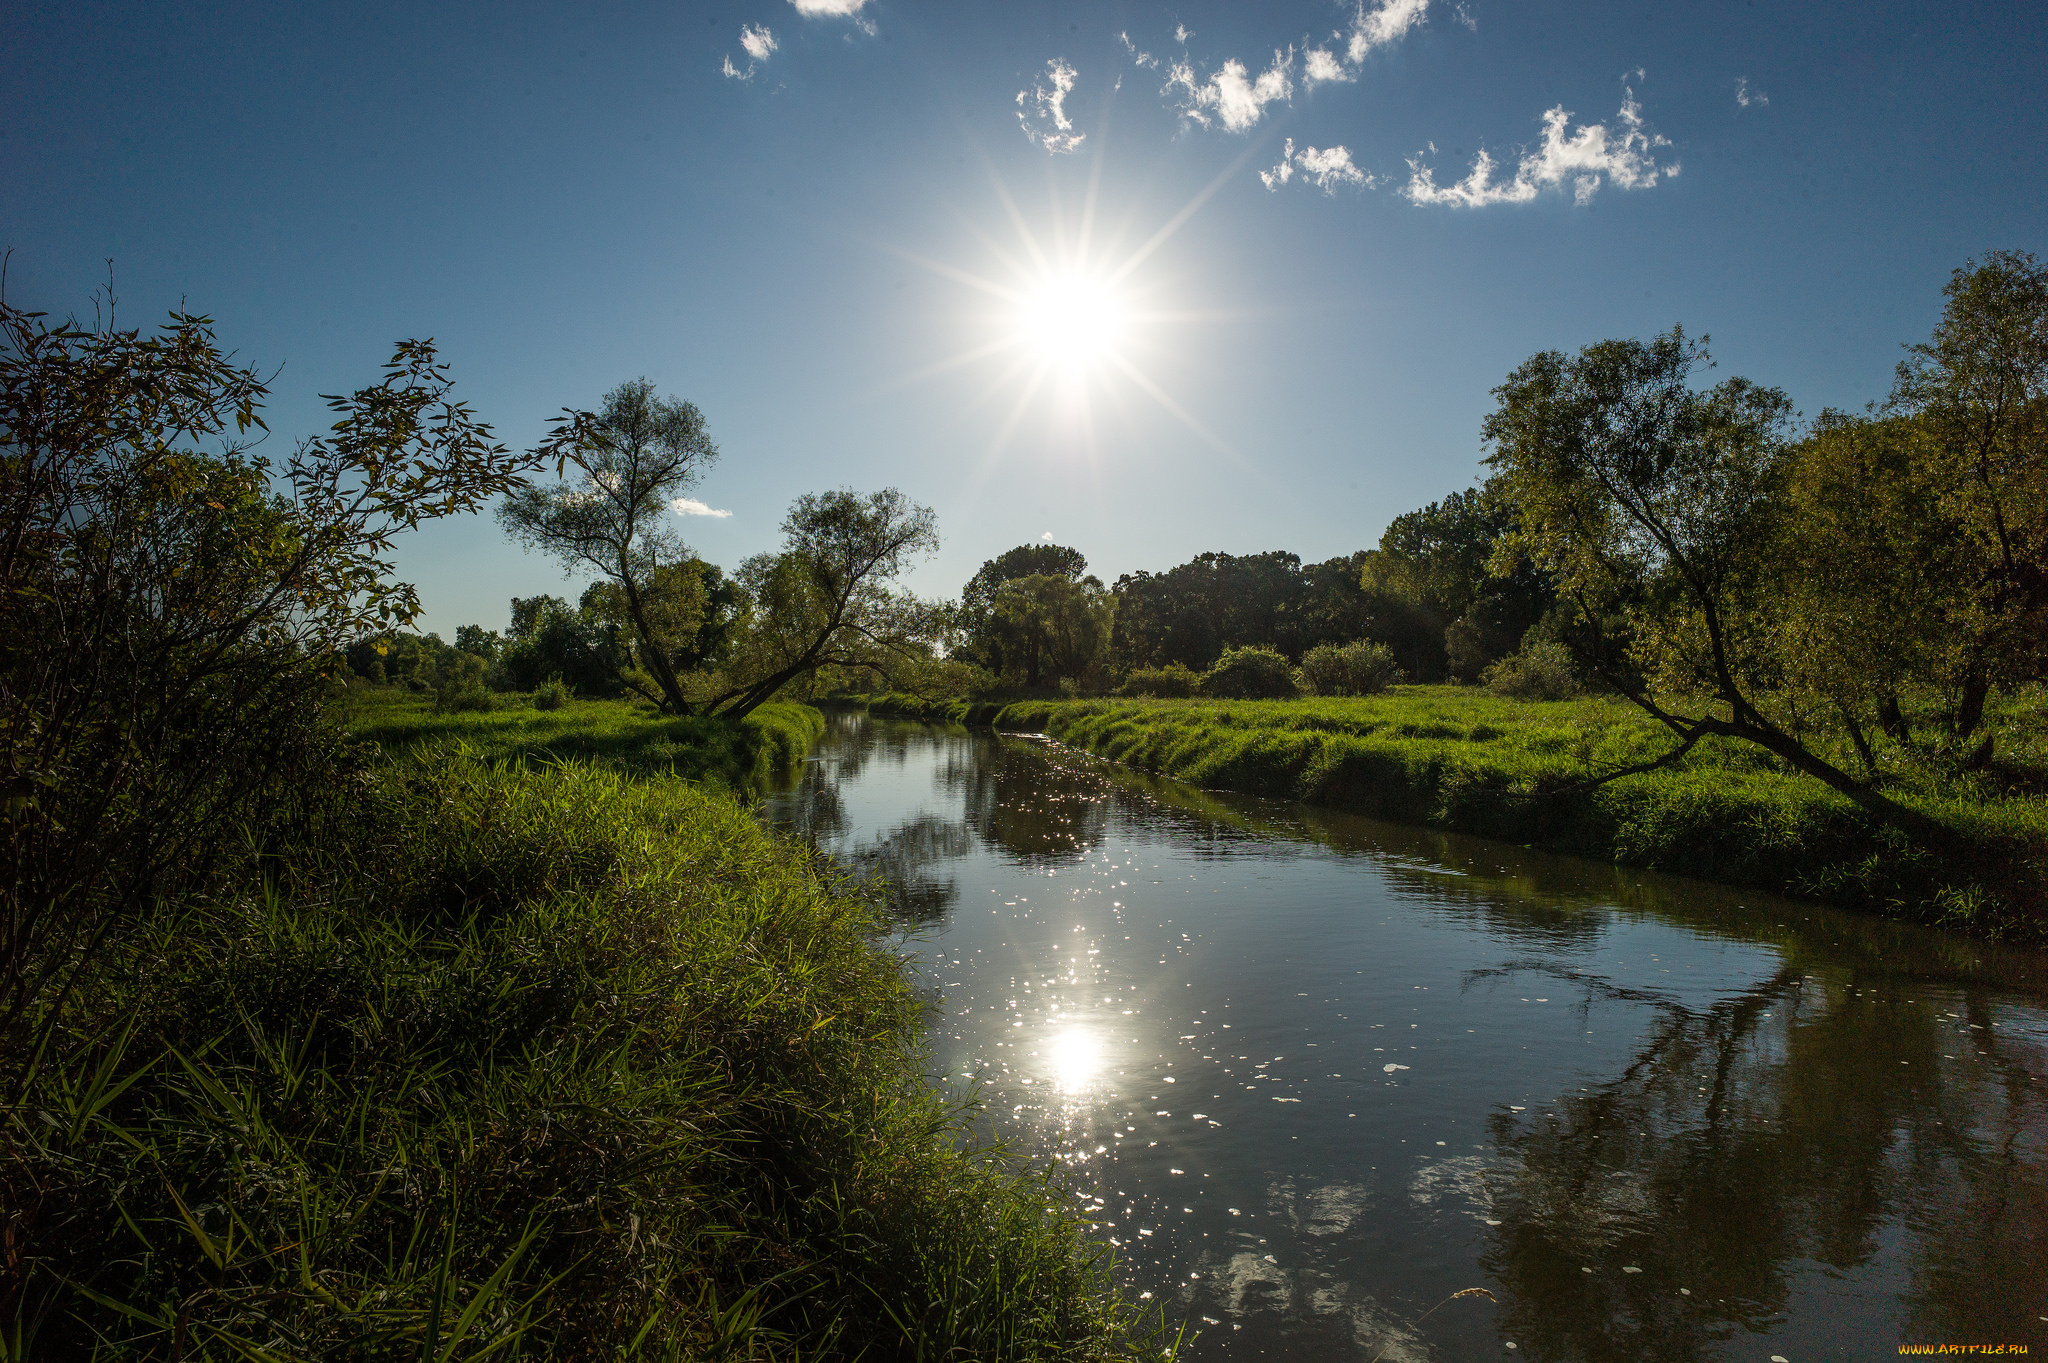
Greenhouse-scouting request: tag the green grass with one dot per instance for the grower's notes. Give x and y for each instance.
(628, 736)
(1469, 761)
(528, 1060)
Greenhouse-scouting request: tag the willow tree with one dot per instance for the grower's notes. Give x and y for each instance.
(1657, 509)
(635, 457)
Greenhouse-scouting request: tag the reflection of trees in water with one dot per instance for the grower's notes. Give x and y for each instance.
(900, 865)
(1035, 800)
(1808, 1119)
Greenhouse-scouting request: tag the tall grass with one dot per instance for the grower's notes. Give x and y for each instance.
(624, 735)
(1474, 762)
(543, 1061)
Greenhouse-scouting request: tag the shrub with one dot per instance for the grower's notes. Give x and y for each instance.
(1538, 672)
(1171, 682)
(1251, 674)
(551, 694)
(1363, 668)
(461, 694)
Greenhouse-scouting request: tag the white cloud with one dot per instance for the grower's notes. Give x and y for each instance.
(1141, 58)
(690, 506)
(1319, 65)
(828, 9)
(1325, 168)
(1231, 96)
(1042, 109)
(1047, 536)
(759, 42)
(1623, 155)
(1745, 96)
(1466, 17)
(736, 73)
(1385, 23)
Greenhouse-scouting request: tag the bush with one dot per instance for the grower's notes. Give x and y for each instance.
(1171, 682)
(551, 694)
(1251, 674)
(1538, 672)
(1364, 668)
(462, 694)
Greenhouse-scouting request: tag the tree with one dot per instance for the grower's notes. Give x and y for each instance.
(1979, 388)
(982, 637)
(171, 618)
(826, 599)
(1657, 504)
(1052, 627)
(636, 457)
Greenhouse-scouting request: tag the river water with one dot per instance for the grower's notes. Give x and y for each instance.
(1312, 1074)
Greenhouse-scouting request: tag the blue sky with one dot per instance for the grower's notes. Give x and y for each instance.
(829, 224)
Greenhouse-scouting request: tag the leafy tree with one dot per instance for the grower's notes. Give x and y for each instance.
(635, 456)
(1054, 628)
(1251, 674)
(549, 638)
(1362, 668)
(1191, 614)
(171, 616)
(826, 601)
(1436, 596)
(1659, 504)
(980, 629)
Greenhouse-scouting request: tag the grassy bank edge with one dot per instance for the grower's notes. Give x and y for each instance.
(1723, 817)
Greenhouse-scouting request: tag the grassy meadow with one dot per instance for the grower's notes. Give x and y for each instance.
(1464, 759)
(629, 736)
(563, 1058)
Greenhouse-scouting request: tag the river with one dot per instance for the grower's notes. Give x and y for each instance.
(1312, 1074)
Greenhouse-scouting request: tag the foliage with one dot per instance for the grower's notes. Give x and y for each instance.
(826, 600)
(635, 457)
(1250, 674)
(1053, 629)
(1463, 759)
(551, 694)
(1541, 671)
(532, 1064)
(170, 616)
(1441, 595)
(1660, 504)
(1171, 682)
(1362, 668)
(981, 641)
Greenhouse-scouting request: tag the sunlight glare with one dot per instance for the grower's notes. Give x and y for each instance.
(1072, 320)
(1076, 1057)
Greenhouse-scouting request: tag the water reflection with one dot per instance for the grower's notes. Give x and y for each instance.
(1314, 1074)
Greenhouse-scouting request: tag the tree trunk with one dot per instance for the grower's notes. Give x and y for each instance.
(657, 661)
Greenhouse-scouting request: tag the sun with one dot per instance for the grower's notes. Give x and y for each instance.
(1072, 320)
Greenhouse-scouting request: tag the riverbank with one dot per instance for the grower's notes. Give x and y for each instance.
(527, 1059)
(1467, 761)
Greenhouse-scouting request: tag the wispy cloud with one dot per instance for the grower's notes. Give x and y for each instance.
(759, 44)
(1325, 168)
(1381, 26)
(1594, 154)
(1745, 96)
(1042, 110)
(1231, 96)
(1144, 59)
(1465, 16)
(690, 506)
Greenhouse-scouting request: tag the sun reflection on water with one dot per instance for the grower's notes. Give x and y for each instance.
(1076, 1057)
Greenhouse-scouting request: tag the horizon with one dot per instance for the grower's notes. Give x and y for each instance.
(1146, 281)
